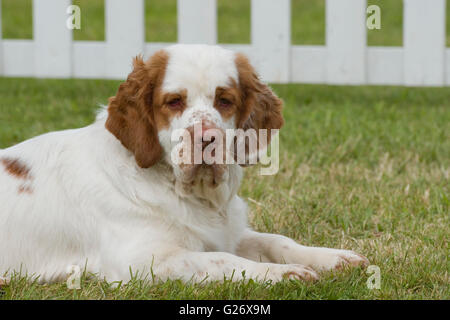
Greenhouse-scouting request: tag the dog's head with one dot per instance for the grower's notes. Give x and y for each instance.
(197, 94)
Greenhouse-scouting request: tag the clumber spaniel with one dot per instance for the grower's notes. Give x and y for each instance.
(114, 196)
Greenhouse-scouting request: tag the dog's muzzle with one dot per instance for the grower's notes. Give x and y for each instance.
(203, 155)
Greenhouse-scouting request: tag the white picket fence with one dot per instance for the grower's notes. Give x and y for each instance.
(423, 60)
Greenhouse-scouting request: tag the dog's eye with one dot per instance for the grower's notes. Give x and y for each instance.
(175, 103)
(224, 103)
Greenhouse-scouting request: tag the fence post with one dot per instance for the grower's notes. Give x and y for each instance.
(346, 41)
(124, 35)
(271, 39)
(197, 21)
(424, 42)
(52, 39)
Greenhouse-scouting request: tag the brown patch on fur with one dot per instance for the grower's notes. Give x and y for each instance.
(16, 168)
(218, 262)
(25, 189)
(133, 117)
(260, 108)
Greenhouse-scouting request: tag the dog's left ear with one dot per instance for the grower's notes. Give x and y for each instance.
(131, 112)
(261, 108)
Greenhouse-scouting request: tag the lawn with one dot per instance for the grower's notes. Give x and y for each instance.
(362, 168)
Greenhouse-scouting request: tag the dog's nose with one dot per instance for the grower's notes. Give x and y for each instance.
(208, 143)
(203, 133)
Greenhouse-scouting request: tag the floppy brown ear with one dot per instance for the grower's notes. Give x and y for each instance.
(261, 108)
(131, 112)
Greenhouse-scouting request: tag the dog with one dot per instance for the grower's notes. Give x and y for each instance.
(110, 197)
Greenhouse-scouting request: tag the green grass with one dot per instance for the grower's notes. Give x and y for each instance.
(233, 21)
(308, 22)
(161, 20)
(17, 19)
(362, 168)
(92, 20)
(391, 32)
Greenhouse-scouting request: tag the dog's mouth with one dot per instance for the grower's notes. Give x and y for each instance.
(210, 175)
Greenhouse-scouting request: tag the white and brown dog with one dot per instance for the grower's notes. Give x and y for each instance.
(110, 197)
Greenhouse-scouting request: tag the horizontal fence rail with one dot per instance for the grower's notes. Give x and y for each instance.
(423, 60)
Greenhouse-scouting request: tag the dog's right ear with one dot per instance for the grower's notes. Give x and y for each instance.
(261, 108)
(131, 112)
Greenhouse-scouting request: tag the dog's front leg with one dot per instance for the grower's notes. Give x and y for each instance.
(216, 266)
(279, 249)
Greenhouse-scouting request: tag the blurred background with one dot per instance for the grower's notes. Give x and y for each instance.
(308, 21)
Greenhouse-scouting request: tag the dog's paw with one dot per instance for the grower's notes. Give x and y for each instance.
(336, 259)
(277, 273)
(351, 259)
(321, 258)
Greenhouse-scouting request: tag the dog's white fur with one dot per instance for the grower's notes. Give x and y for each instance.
(89, 203)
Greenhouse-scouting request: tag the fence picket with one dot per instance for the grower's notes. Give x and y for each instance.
(346, 41)
(124, 35)
(52, 39)
(197, 21)
(424, 42)
(271, 38)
